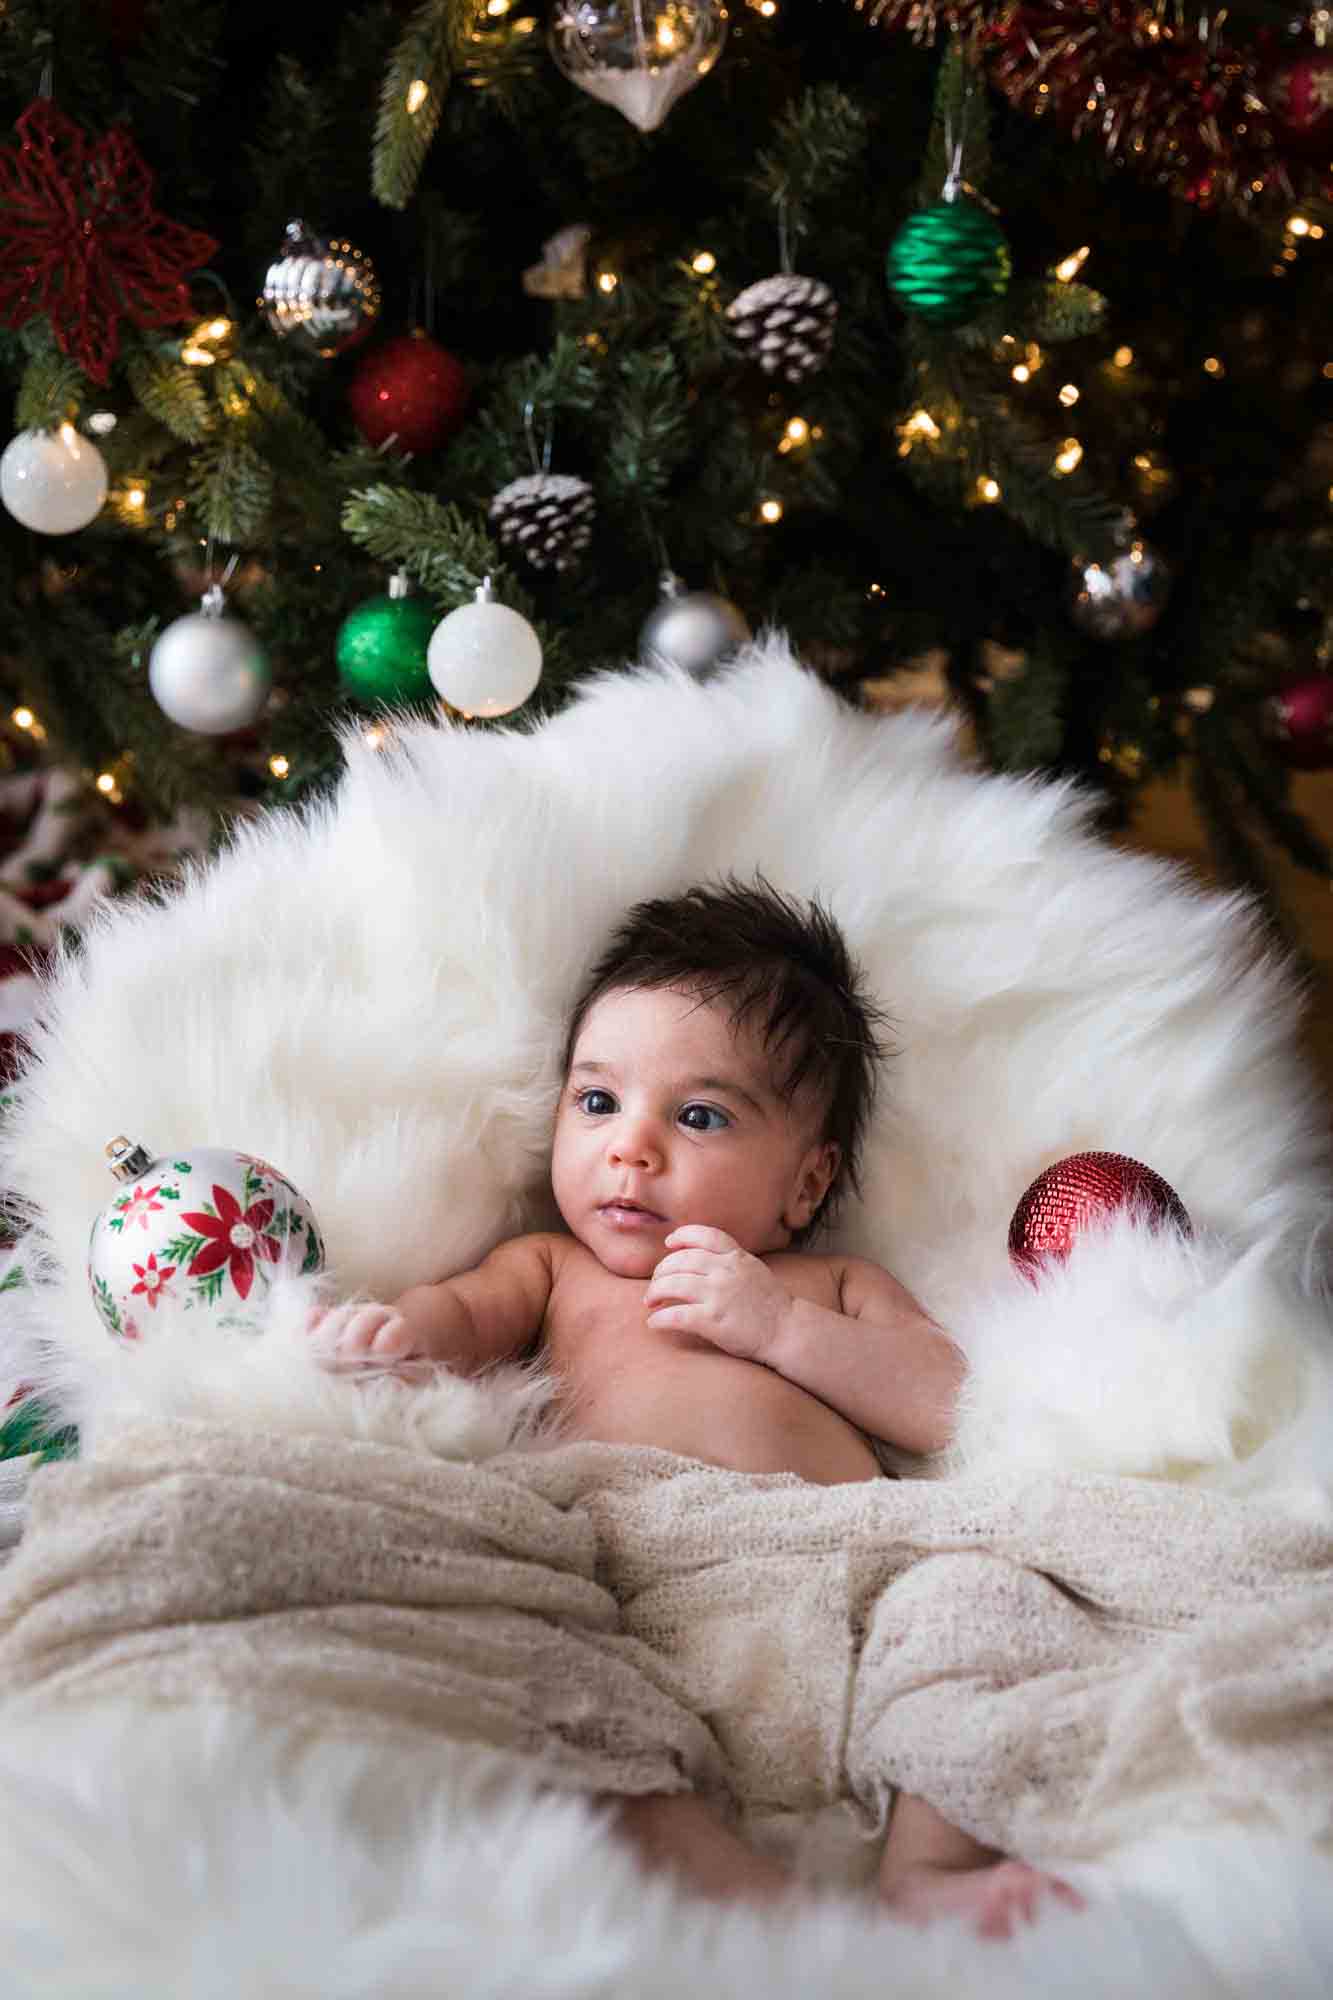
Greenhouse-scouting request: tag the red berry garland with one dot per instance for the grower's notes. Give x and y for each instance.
(83, 243)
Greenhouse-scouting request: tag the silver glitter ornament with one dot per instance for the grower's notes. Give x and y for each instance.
(546, 516)
(785, 323)
(207, 672)
(639, 55)
(693, 629)
(1121, 599)
(323, 297)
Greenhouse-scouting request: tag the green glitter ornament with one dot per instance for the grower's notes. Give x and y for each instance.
(947, 262)
(381, 647)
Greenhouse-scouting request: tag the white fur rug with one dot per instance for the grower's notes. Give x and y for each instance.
(371, 997)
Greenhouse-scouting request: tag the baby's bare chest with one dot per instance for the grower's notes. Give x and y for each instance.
(625, 1382)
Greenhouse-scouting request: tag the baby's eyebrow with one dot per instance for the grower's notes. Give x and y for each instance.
(726, 1084)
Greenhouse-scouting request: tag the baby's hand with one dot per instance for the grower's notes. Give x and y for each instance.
(709, 1286)
(360, 1338)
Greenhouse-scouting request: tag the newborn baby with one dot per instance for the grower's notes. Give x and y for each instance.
(719, 1070)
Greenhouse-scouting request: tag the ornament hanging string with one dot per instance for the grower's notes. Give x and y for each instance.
(542, 462)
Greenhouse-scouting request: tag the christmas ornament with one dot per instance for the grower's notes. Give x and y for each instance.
(381, 646)
(205, 1231)
(785, 323)
(1121, 599)
(692, 629)
(411, 390)
(563, 270)
(484, 658)
(1298, 720)
(1299, 92)
(639, 55)
(1063, 1200)
(323, 297)
(83, 244)
(207, 671)
(53, 481)
(546, 516)
(948, 261)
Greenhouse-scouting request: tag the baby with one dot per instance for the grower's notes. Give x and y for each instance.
(719, 1070)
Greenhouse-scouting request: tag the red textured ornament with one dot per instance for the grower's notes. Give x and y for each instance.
(1064, 1199)
(409, 389)
(83, 242)
(1300, 97)
(1298, 720)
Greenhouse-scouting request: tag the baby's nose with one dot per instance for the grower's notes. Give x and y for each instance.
(634, 1144)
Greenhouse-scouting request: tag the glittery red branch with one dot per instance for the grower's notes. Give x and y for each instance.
(1163, 94)
(83, 242)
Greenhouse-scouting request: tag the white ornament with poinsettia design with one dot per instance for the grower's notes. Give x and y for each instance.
(205, 1231)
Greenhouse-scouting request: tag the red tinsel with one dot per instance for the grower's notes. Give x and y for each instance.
(83, 243)
(1161, 92)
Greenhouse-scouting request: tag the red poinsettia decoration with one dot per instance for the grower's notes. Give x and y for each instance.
(235, 1238)
(153, 1279)
(83, 242)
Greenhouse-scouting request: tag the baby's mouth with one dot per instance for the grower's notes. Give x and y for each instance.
(621, 1208)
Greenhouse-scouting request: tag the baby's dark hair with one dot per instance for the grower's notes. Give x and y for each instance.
(778, 963)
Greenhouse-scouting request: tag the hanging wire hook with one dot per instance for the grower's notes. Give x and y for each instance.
(784, 246)
(542, 463)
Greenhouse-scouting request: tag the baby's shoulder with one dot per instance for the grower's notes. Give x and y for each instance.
(809, 1274)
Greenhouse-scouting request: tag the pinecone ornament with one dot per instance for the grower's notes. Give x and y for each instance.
(546, 516)
(785, 323)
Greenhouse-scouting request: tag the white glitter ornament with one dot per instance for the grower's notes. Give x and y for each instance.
(693, 629)
(53, 481)
(484, 658)
(639, 55)
(204, 1231)
(207, 671)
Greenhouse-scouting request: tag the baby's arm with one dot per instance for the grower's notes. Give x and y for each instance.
(880, 1360)
(485, 1315)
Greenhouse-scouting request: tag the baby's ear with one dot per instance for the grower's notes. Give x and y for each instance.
(812, 1184)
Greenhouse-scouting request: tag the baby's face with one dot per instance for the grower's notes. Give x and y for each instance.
(668, 1117)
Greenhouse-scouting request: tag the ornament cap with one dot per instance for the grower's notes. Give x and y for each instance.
(127, 1159)
(400, 584)
(670, 585)
(212, 604)
(484, 592)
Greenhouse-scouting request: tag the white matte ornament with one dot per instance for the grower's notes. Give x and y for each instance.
(693, 629)
(208, 672)
(484, 658)
(53, 481)
(639, 55)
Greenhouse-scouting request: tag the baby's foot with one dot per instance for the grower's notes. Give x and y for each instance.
(997, 1895)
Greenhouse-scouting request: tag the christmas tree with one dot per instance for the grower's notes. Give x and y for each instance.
(389, 357)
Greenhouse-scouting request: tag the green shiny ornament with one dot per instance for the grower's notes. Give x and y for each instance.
(382, 645)
(947, 262)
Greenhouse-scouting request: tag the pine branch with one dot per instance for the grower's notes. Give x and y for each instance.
(171, 393)
(820, 146)
(52, 388)
(408, 119)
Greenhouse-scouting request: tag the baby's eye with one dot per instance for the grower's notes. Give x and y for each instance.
(597, 1103)
(703, 1118)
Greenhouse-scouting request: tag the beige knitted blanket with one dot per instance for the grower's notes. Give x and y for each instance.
(1059, 1665)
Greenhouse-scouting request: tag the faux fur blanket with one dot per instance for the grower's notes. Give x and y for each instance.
(1060, 1665)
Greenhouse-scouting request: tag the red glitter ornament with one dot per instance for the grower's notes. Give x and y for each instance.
(1298, 720)
(83, 242)
(1300, 95)
(409, 389)
(1072, 1193)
